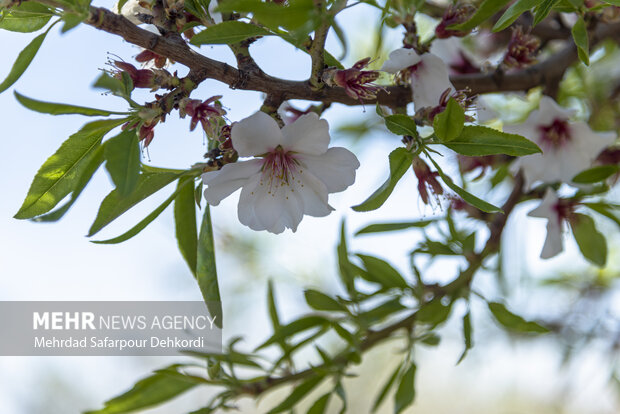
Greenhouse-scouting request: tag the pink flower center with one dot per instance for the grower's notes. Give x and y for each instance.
(556, 134)
(279, 169)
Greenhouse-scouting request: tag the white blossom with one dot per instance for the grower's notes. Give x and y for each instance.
(429, 75)
(131, 9)
(550, 209)
(291, 174)
(568, 147)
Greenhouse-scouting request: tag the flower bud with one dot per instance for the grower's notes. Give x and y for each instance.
(356, 82)
(522, 49)
(454, 15)
(427, 180)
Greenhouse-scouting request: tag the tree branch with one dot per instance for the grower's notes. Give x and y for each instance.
(203, 67)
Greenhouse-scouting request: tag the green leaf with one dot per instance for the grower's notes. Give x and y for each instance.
(85, 176)
(591, 242)
(386, 388)
(61, 109)
(476, 140)
(300, 325)
(466, 196)
(183, 185)
(433, 312)
(385, 227)
(140, 226)
(487, 9)
(595, 174)
(122, 154)
(347, 271)
(400, 162)
(206, 271)
(514, 322)
(26, 18)
(23, 60)
(604, 209)
(401, 125)
(299, 392)
(466, 336)
(228, 33)
(580, 36)
(185, 222)
(151, 391)
(542, 10)
(513, 12)
(320, 405)
(405, 393)
(449, 123)
(300, 17)
(59, 175)
(380, 271)
(114, 205)
(320, 301)
(72, 20)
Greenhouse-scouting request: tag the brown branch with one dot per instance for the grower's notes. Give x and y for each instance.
(394, 96)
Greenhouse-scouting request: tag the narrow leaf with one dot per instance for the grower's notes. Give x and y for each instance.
(405, 394)
(466, 196)
(580, 36)
(476, 140)
(320, 405)
(61, 109)
(595, 174)
(386, 227)
(185, 222)
(513, 12)
(147, 220)
(298, 393)
(400, 162)
(59, 175)
(591, 242)
(380, 271)
(122, 154)
(466, 336)
(320, 301)
(401, 125)
(114, 205)
(449, 123)
(228, 33)
(514, 322)
(206, 272)
(386, 388)
(151, 391)
(486, 9)
(23, 60)
(26, 18)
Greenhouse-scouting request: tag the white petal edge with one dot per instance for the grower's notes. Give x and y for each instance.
(400, 59)
(220, 184)
(430, 81)
(307, 135)
(336, 168)
(256, 135)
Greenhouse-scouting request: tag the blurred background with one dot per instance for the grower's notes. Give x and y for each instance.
(565, 373)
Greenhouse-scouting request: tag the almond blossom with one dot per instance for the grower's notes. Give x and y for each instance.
(291, 174)
(427, 73)
(556, 211)
(568, 147)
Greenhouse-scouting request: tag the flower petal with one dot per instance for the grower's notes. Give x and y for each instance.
(553, 242)
(220, 184)
(269, 207)
(336, 168)
(313, 193)
(400, 59)
(430, 81)
(256, 135)
(548, 111)
(307, 135)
